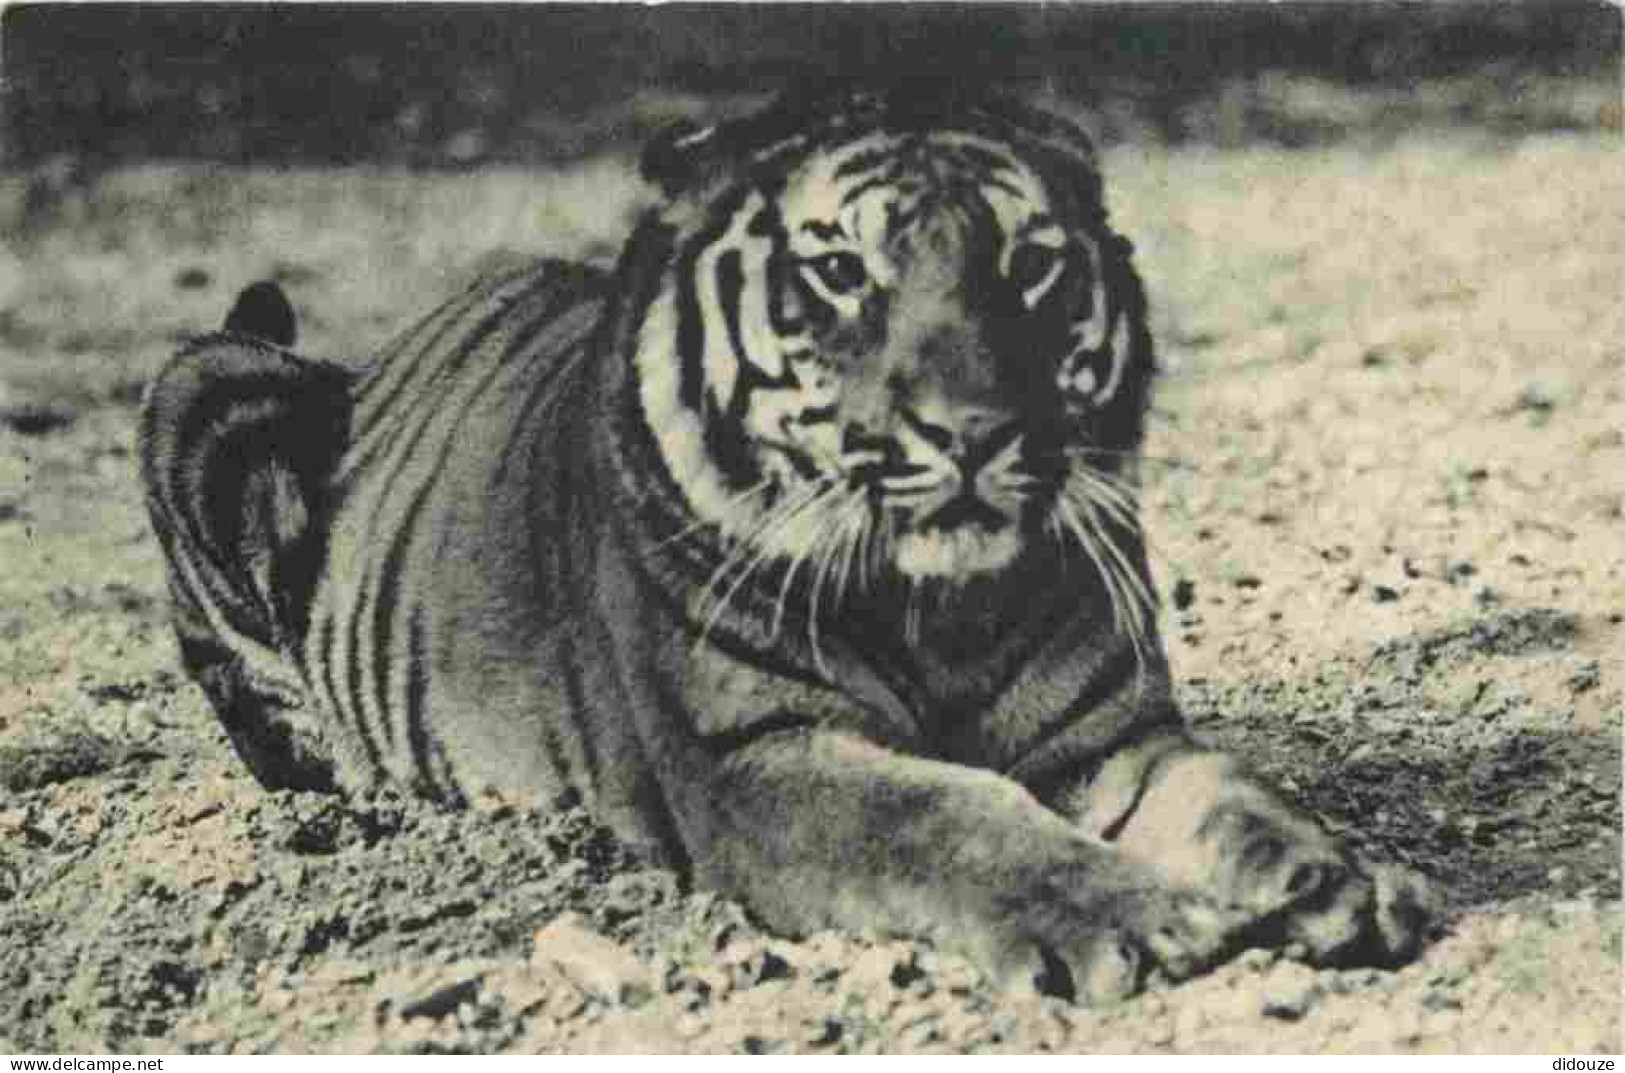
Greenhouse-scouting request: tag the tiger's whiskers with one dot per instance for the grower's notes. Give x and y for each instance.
(1088, 505)
(704, 523)
(751, 550)
(846, 521)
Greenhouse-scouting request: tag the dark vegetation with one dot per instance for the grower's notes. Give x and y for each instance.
(465, 83)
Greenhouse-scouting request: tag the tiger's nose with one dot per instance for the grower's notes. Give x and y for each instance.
(969, 433)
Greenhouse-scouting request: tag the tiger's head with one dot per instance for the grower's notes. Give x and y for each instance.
(893, 332)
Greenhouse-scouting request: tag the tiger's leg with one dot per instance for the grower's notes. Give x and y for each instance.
(819, 828)
(1203, 820)
(236, 436)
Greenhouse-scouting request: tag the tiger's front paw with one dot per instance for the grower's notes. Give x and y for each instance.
(1095, 933)
(1304, 891)
(1207, 824)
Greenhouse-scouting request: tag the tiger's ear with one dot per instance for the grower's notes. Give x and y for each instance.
(678, 155)
(686, 155)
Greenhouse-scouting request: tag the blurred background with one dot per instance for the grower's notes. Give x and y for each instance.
(434, 84)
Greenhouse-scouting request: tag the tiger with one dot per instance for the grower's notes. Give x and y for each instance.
(802, 547)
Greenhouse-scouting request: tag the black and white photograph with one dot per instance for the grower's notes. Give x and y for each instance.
(757, 528)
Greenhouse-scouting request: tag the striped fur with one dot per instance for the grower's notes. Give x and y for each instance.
(804, 550)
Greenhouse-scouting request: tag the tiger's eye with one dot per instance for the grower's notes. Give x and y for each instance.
(1033, 268)
(841, 272)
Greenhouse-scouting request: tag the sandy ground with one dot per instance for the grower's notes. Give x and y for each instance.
(1389, 512)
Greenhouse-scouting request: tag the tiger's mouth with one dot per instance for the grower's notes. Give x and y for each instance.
(948, 516)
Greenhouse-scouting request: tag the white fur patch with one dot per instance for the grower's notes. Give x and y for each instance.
(678, 430)
(937, 553)
(761, 345)
(1108, 330)
(680, 433)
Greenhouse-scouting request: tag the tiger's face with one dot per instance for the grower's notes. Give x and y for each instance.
(899, 350)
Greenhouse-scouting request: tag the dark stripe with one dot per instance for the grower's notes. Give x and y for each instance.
(329, 671)
(413, 421)
(864, 161)
(1001, 184)
(1149, 776)
(537, 397)
(722, 635)
(565, 361)
(400, 363)
(723, 742)
(395, 561)
(1107, 681)
(730, 285)
(417, 672)
(690, 325)
(444, 320)
(387, 600)
(983, 160)
(889, 179)
(577, 711)
(354, 687)
(434, 359)
(451, 791)
(826, 231)
(1038, 222)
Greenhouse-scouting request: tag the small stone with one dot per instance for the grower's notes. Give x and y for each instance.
(957, 976)
(566, 1002)
(917, 1024)
(875, 968)
(1290, 991)
(442, 1000)
(754, 962)
(1256, 959)
(1535, 398)
(1362, 752)
(706, 983)
(594, 963)
(1382, 594)
(666, 974)
(1436, 999)
(1365, 977)
(192, 279)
